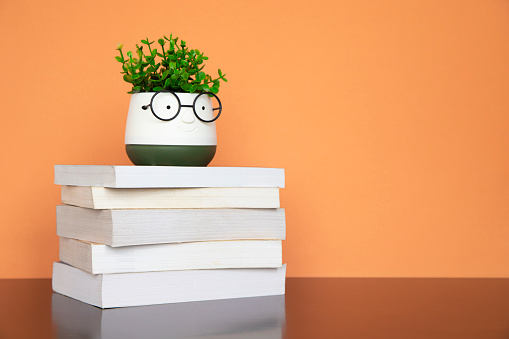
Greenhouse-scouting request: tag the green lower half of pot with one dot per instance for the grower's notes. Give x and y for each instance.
(170, 155)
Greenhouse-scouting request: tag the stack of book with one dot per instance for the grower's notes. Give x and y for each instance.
(144, 235)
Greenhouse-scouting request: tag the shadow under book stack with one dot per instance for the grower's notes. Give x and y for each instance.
(145, 235)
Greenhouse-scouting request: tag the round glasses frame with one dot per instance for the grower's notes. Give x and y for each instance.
(220, 108)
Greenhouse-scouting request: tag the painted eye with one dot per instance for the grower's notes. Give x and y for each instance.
(207, 107)
(165, 106)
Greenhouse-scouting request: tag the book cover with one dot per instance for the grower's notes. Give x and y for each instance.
(210, 197)
(100, 259)
(126, 227)
(151, 288)
(167, 176)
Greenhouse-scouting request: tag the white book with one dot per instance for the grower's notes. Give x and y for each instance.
(150, 288)
(168, 176)
(224, 197)
(99, 259)
(152, 226)
(241, 318)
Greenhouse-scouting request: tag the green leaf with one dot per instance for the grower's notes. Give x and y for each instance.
(130, 54)
(145, 41)
(167, 83)
(219, 72)
(161, 42)
(214, 89)
(119, 59)
(200, 76)
(137, 88)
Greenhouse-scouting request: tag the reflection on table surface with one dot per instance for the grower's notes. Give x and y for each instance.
(322, 308)
(246, 318)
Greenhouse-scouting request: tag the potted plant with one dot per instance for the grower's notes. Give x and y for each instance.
(174, 104)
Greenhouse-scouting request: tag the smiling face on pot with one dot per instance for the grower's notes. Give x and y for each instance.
(166, 118)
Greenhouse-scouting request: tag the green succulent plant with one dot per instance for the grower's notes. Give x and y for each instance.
(175, 67)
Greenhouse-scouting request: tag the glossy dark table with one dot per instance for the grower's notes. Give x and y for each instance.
(311, 308)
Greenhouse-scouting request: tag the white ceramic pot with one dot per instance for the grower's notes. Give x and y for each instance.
(165, 128)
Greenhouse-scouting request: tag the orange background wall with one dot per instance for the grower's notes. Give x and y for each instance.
(389, 117)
